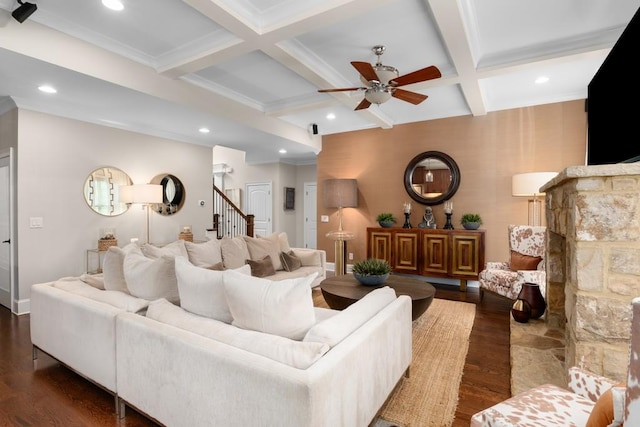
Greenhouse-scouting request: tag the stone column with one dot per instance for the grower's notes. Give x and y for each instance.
(593, 262)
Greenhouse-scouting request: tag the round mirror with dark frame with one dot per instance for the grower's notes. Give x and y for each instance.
(431, 178)
(102, 191)
(172, 194)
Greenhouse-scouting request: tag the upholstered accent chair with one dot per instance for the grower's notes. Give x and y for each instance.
(527, 245)
(589, 400)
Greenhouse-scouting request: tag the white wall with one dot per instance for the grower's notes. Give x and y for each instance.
(54, 157)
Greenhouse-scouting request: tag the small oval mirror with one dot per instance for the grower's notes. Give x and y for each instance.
(172, 194)
(431, 178)
(101, 191)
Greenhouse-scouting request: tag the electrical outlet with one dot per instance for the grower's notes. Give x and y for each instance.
(350, 256)
(324, 218)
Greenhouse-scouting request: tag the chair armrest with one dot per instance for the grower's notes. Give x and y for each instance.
(618, 395)
(493, 265)
(587, 384)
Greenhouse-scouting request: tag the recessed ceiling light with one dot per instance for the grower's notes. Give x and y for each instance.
(282, 151)
(204, 130)
(47, 89)
(113, 4)
(542, 79)
(331, 116)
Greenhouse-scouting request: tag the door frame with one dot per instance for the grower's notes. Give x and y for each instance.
(307, 214)
(10, 154)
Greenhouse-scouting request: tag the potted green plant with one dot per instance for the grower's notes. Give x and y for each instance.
(371, 271)
(471, 221)
(386, 219)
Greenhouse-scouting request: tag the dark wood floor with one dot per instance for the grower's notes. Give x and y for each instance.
(52, 395)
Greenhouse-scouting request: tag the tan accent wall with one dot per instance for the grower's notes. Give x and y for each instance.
(489, 150)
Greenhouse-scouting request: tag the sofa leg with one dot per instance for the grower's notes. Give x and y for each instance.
(481, 293)
(120, 407)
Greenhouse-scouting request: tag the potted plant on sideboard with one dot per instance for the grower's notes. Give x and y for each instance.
(471, 221)
(386, 219)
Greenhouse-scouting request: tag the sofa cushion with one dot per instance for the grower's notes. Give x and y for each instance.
(283, 307)
(262, 267)
(308, 257)
(336, 328)
(293, 353)
(234, 251)
(290, 261)
(202, 291)
(259, 247)
(95, 280)
(173, 249)
(204, 254)
(113, 267)
(114, 298)
(523, 262)
(151, 278)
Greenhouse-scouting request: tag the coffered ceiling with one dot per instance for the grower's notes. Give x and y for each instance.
(250, 70)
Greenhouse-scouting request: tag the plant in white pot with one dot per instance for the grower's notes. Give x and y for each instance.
(371, 271)
(471, 221)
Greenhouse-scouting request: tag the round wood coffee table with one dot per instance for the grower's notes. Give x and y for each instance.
(341, 291)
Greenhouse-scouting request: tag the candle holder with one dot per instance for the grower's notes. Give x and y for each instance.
(407, 224)
(448, 225)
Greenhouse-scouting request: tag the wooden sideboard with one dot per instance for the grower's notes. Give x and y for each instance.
(457, 254)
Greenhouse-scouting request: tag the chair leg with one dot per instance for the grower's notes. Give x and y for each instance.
(481, 293)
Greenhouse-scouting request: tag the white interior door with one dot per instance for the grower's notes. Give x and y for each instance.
(259, 202)
(5, 248)
(310, 215)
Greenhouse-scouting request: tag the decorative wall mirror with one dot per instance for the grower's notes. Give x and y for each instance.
(172, 194)
(431, 178)
(101, 191)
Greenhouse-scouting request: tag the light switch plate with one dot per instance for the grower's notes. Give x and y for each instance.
(35, 222)
(324, 218)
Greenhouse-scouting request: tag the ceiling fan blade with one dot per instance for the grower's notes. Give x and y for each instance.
(344, 89)
(366, 70)
(412, 97)
(422, 75)
(364, 104)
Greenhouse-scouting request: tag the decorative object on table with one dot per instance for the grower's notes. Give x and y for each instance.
(107, 239)
(428, 220)
(407, 215)
(371, 271)
(471, 221)
(386, 219)
(521, 311)
(528, 185)
(530, 293)
(448, 211)
(340, 193)
(186, 234)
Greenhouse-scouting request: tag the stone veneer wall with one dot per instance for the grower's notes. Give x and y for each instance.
(593, 262)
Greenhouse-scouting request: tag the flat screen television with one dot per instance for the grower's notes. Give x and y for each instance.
(613, 103)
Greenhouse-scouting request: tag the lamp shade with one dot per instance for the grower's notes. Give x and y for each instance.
(141, 193)
(340, 193)
(528, 184)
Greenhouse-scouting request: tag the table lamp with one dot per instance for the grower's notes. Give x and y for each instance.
(528, 184)
(144, 194)
(340, 193)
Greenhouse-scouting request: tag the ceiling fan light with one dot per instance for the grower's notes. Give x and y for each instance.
(377, 95)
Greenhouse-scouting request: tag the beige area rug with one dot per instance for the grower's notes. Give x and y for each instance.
(429, 396)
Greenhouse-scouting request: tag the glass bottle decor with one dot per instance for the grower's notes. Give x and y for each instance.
(521, 311)
(530, 292)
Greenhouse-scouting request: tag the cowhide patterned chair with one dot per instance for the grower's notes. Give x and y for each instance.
(590, 400)
(527, 246)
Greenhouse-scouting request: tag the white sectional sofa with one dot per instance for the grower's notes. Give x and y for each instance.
(232, 349)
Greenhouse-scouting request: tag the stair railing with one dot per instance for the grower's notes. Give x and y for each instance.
(228, 219)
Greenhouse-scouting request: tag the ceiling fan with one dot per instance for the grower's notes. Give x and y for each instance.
(384, 81)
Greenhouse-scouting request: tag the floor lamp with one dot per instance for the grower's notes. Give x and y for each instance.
(340, 193)
(144, 194)
(528, 185)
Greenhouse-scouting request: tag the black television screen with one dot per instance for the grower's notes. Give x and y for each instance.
(613, 97)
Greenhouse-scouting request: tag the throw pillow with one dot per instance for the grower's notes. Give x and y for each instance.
(523, 262)
(204, 254)
(308, 258)
(175, 248)
(283, 307)
(95, 280)
(234, 251)
(259, 247)
(262, 267)
(283, 241)
(151, 278)
(602, 412)
(218, 266)
(201, 290)
(112, 267)
(290, 261)
(114, 298)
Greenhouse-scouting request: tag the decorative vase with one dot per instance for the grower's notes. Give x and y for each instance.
(530, 293)
(521, 311)
(371, 280)
(471, 225)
